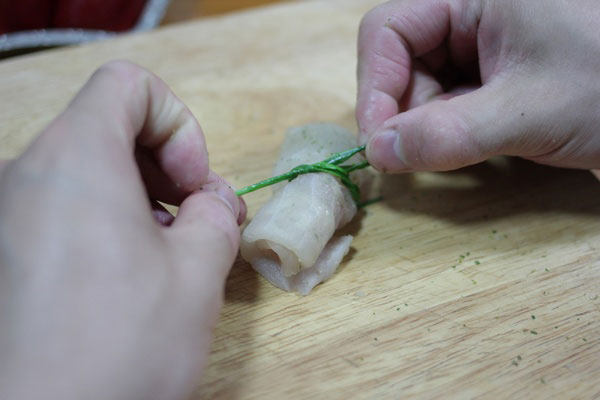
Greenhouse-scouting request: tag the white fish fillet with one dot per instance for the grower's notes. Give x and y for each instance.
(290, 240)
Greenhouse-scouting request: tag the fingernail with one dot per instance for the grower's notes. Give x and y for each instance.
(385, 152)
(226, 194)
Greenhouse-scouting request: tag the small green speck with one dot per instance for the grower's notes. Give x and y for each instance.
(464, 325)
(584, 339)
(556, 327)
(533, 332)
(375, 339)
(546, 269)
(519, 358)
(595, 297)
(477, 262)
(494, 231)
(542, 380)
(397, 308)
(516, 364)
(505, 236)
(454, 266)
(406, 304)
(468, 253)
(533, 317)
(474, 281)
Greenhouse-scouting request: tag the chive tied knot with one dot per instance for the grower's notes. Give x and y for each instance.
(330, 165)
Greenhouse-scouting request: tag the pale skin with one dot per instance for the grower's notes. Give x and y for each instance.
(104, 296)
(524, 81)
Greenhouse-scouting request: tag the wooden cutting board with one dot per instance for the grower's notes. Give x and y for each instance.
(483, 282)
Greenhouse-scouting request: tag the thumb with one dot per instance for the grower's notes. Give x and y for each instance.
(448, 134)
(205, 237)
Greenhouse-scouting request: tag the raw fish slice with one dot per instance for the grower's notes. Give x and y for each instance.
(303, 282)
(289, 241)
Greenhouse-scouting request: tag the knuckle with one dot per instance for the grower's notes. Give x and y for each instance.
(122, 72)
(120, 68)
(367, 19)
(376, 14)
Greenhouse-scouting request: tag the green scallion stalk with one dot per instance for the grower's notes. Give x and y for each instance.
(329, 165)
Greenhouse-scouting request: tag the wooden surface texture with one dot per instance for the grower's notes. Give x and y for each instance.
(184, 10)
(479, 283)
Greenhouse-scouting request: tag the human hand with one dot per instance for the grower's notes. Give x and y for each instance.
(98, 299)
(449, 83)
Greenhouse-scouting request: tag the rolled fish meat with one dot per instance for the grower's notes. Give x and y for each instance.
(291, 239)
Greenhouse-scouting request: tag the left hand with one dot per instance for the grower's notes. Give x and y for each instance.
(97, 299)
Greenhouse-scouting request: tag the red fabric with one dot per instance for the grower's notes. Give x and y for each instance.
(20, 15)
(112, 15)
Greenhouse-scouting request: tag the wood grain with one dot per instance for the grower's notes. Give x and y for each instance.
(480, 283)
(183, 10)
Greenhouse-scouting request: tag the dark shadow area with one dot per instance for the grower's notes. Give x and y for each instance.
(353, 228)
(21, 52)
(493, 189)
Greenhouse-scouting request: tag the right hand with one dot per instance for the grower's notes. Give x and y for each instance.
(526, 82)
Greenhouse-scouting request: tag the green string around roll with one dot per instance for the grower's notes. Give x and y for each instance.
(330, 165)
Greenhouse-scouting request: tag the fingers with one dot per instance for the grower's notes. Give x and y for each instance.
(123, 105)
(422, 88)
(448, 134)
(206, 233)
(394, 33)
(158, 185)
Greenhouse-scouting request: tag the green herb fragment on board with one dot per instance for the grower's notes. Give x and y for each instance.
(533, 332)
